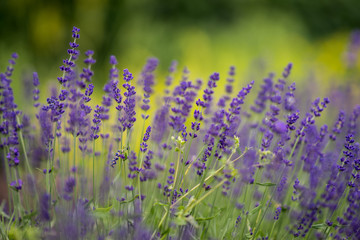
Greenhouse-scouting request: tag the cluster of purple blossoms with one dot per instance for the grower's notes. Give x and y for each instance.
(128, 117)
(17, 185)
(228, 88)
(144, 145)
(338, 126)
(9, 126)
(203, 104)
(208, 139)
(147, 76)
(87, 73)
(111, 90)
(170, 180)
(69, 64)
(353, 49)
(183, 97)
(133, 170)
(69, 188)
(263, 95)
(277, 213)
(170, 78)
(147, 173)
(36, 91)
(100, 114)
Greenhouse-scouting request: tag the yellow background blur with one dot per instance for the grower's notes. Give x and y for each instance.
(205, 36)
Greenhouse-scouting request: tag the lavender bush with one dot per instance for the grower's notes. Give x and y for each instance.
(201, 167)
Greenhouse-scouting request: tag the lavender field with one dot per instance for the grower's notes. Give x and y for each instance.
(192, 159)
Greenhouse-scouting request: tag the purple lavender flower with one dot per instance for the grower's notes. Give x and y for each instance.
(228, 88)
(144, 145)
(352, 120)
(69, 188)
(263, 95)
(100, 114)
(128, 118)
(277, 213)
(183, 98)
(353, 48)
(69, 64)
(55, 107)
(87, 73)
(17, 185)
(118, 155)
(170, 78)
(291, 120)
(170, 181)
(36, 91)
(338, 126)
(45, 207)
(208, 93)
(158, 127)
(133, 169)
(203, 104)
(287, 70)
(225, 130)
(147, 76)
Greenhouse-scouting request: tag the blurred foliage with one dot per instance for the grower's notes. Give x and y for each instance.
(206, 35)
(320, 17)
(43, 25)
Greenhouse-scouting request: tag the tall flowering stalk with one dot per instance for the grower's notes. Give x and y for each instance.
(148, 77)
(128, 118)
(66, 68)
(9, 129)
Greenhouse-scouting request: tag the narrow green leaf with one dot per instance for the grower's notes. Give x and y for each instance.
(319, 226)
(131, 200)
(255, 210)
(208, 218)
(103, 209)
(268, 184)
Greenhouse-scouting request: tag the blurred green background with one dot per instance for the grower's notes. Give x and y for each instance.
(205, 35)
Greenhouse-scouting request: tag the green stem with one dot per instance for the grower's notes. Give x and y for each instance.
(177, 169)
(205, 171)
(243, 225)
(190, 165)
(8, 180)
(74, 165)
(141, 163)
(206, 179)
(27, 162)
(268, 205)
(93, 173)
(272, 229)
(204, 196)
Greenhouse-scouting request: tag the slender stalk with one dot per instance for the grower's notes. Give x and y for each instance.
(160, 223)
(268, 205)
(205, 171)
(74, 165)
(204, 196)
(8, 179)
(190, 165)
(243, 226)
(272, 230)
(141, 163)
(27, 162)
(206, 179)
(177, 169)
(93, 172)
